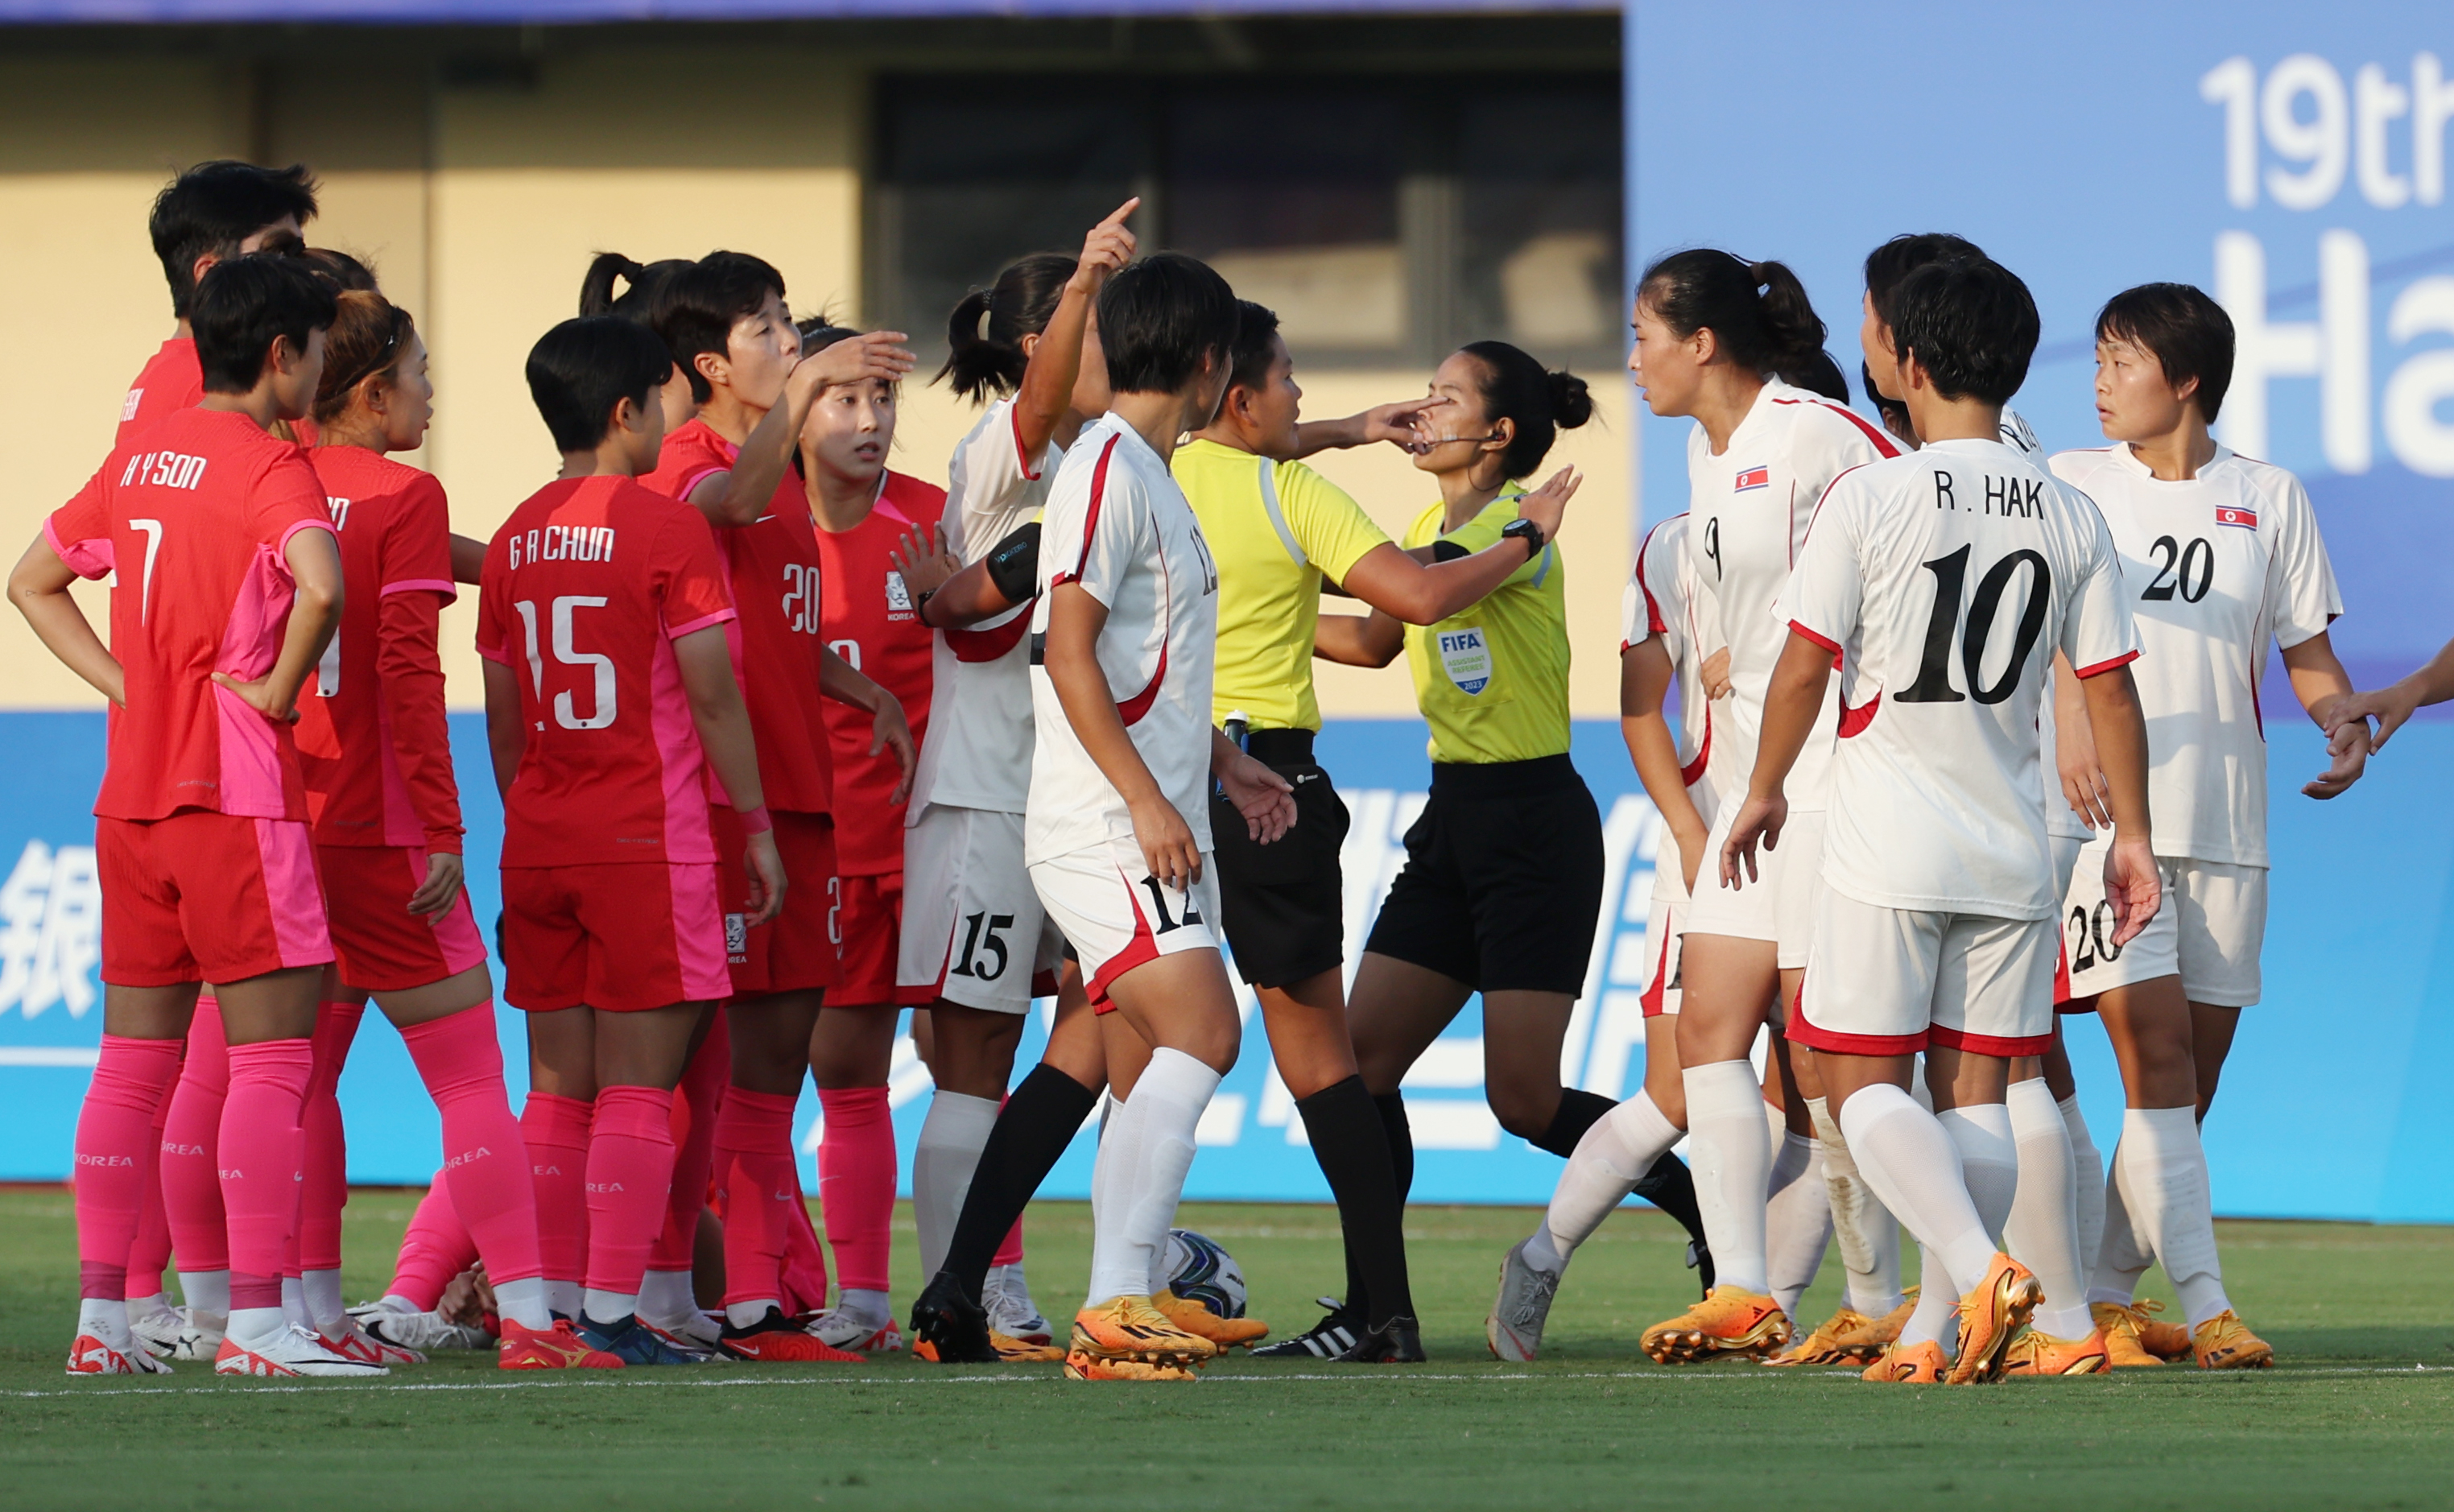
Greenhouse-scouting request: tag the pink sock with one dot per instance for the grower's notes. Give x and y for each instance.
(698, 1108)
(259, 1161)
(753, 1168)
(1009, 1253)
(554, 1128)
(150, 1252)
(461, 1063)
(805, 1258)
(630, 1176)
(857, 1183)
(325, 1189)
(435, 1249)
(191, 1136)
(129, 1081)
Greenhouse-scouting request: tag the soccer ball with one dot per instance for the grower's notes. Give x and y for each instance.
(1199, 1271)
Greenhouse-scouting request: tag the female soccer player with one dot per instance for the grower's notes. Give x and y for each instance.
(1503, 870)
(1117, 831)
(2223, 557)
(377, 759)
(724, 321)
(1279, 534)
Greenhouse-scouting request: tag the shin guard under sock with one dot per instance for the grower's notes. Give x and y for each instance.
(857, 1163)
(754, 1176)
(1029, 1135)
(131, 1079)
(191, 1136)
(1352, 1148)
(554, 1128)
(630, 1176)
(259, 1162)
(490, 1180)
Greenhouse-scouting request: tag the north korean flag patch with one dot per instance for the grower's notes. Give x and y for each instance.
(1754, 478)
(2246, 519)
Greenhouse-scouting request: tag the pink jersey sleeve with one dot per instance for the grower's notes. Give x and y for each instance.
(79, 529)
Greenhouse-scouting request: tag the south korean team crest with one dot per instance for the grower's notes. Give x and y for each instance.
(737, 937)
(898, 599)
(1466, 657)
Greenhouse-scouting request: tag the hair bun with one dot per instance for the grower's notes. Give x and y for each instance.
(1572, 400)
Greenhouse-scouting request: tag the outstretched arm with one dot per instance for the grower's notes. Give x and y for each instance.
(1396, 583)
(2394, 704)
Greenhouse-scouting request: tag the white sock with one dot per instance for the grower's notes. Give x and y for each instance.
(1775, 1126)
(522, 1302)
(105, 1318)
(2164, 1172)
(2121, 1258)
(140, 1308)
(396, 1303)
(564, 1298)
(1798, 1220)
(1989, 1160)
(871, 1307)
(1151, 1147)
(293, 1302)
(1607, 1162)
(257, 1325)
(666, 1296)
(325, 1308)
(206, 1292)
(2042, 1230)
(1916, 1168)
(608, 1307)
(1934, 1320)
(949, 1151)
(2087, 1164)
(1729, 1150)
(741, 1315)
(1867, 1233)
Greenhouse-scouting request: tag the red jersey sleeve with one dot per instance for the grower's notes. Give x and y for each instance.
(416, 579)
(689, 576)
(79, 529)
(490, 642)
(286, 499)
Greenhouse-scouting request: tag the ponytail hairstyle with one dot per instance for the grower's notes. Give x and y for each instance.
(696, 306)
(1540, 403)
(1758, 312)
(1823, 375)
(367, 337)
(984, 357)
(643, 281)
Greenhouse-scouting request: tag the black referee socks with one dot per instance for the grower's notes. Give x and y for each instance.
(1401, 1139)
(1670, 1187)
(1352, 1145)
(1040, 1120)
(1580, 1110)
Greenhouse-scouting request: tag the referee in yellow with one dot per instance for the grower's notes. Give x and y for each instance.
(1280, 533)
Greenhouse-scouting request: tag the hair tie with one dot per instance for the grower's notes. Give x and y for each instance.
(987, 309)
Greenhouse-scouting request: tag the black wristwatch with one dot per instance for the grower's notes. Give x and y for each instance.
(1526, 531)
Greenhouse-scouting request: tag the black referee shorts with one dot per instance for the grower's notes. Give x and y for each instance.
(1502, 884)
(1284, 902)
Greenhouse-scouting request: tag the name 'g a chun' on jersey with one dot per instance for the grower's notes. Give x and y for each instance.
(1749, 508)
(1943, 581)
(2216, 568)
(1119, 528)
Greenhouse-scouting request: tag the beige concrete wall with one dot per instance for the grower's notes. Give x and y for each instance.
(480, 208)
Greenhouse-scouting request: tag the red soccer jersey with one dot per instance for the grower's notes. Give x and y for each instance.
(171, 380)
(194, 513)
(373, 741)
(586, 587)
(870, 622)
(773, 567)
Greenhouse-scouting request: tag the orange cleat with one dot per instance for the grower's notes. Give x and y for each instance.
(1009, 1351)
(1131, 1328)
(2224, 1343)
(556, 1348)
(1195, 1319)
(2035, 1353)
(1844, 1339)
(2120, 1325)
(1727, 1321)
(1082, 1365)
(2167, 1341)
(1994, 1310)
(1908, 1365)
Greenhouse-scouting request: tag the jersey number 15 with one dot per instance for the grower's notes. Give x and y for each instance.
(566, 711)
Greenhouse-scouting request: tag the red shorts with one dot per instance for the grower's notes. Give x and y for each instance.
(617, 936)
(870, 919)
(381, 945)
(796, 951)
(205, 896)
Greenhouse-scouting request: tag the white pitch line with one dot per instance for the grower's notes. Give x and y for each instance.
(563, 1380)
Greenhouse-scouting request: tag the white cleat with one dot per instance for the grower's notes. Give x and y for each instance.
(1010, 1309)
(692, 1330)
(861, 1335)
(350, 1342)
(1514, 1329)
(294, 1351)
(89, 1356)
(158, 1330)
(200, 1336)
(417, 1331)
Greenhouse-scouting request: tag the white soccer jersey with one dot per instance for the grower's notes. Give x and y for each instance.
(2216, 568)
(1748, 511)
(1118, 526)
(1946, 581)
(1659, 604)
(978, 751)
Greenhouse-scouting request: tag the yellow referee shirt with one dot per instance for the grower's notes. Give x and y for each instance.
(1276, 529)
(1492, 679)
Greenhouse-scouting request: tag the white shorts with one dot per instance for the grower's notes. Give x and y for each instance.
(1665, 928)
(1119, 917)
(1780, 905)
(1887, 981)
(2208, 932)
(974, 930)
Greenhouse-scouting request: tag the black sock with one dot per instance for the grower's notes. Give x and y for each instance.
(1401, 1139)
(1352, 1149)
(1031, 1132)
(1670, 1187)
(1580, 1110)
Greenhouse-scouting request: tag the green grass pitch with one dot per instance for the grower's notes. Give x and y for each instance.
(2360, 1414)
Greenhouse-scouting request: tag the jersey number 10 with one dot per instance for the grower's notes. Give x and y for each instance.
(1933, 683)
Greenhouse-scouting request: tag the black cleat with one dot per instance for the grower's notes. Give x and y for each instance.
(951, 1323)
(1399, 1342)
(1329, 1339)
(1699, 1260)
